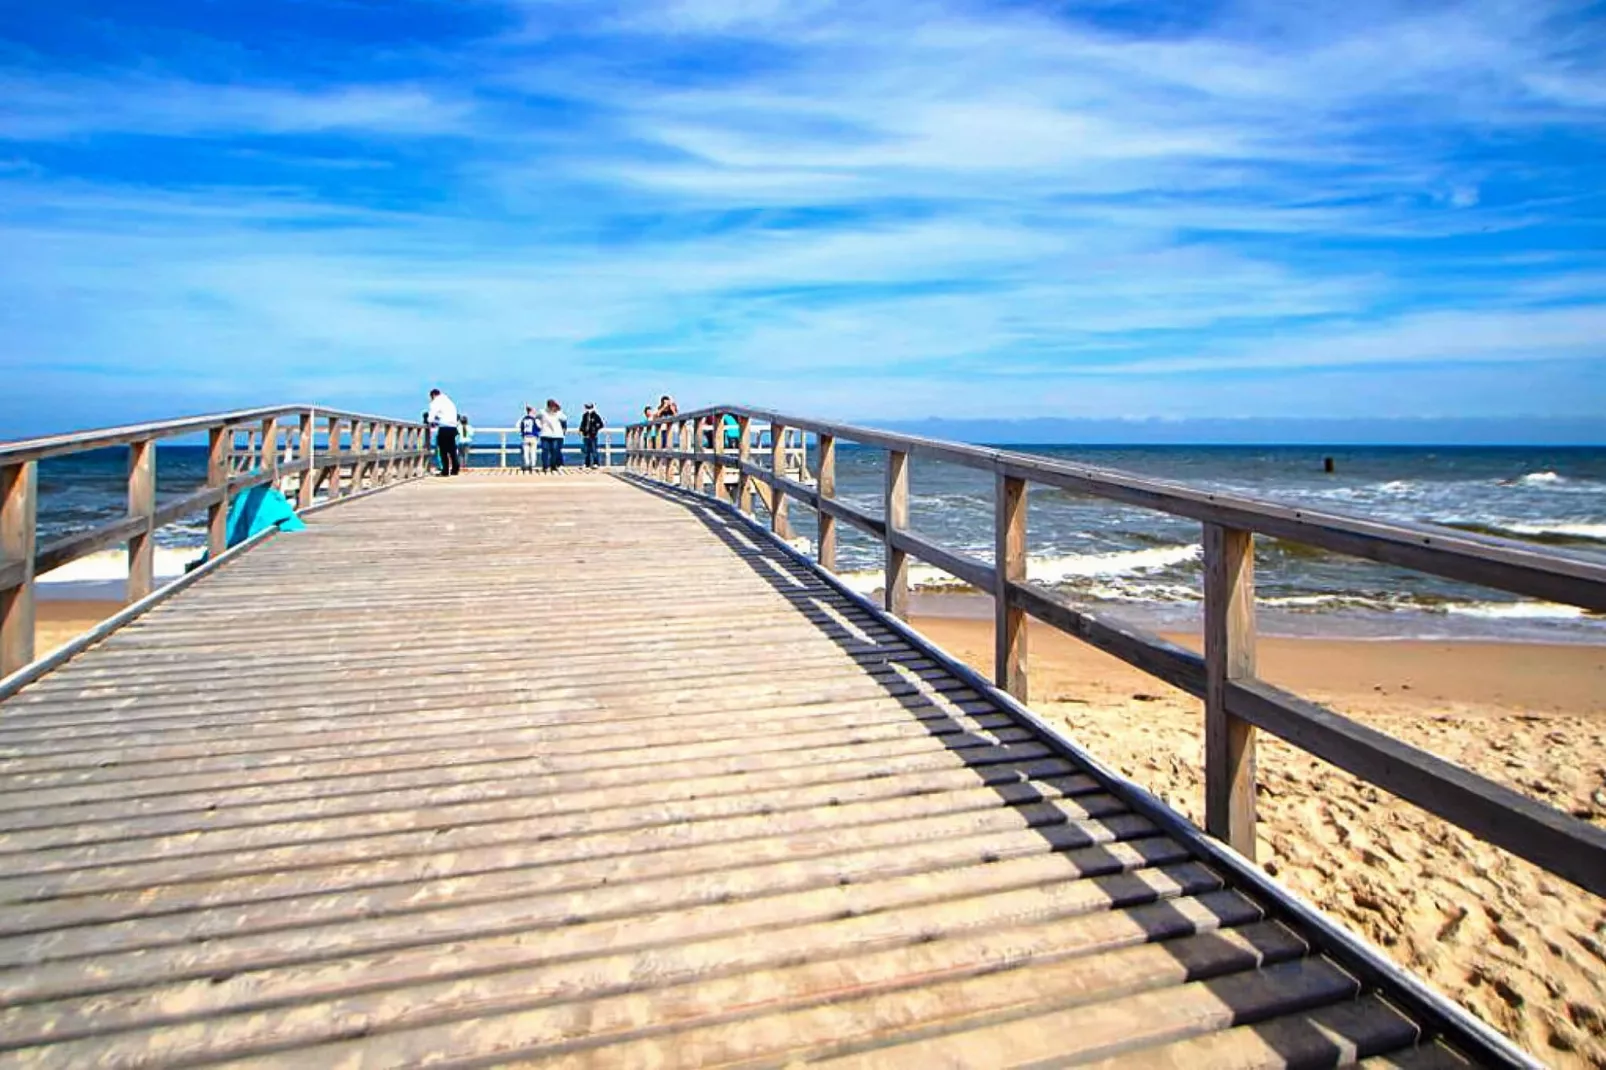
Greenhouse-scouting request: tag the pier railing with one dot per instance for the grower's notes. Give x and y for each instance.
(506, 446)
(702, 453)
(319, 451)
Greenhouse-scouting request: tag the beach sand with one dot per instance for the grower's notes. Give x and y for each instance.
(1524, 950)
(59, 621)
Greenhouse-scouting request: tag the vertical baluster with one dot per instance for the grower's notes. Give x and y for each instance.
(1009, 622)
(1229, 655)
(220, 441)
(744, 457)
(19, 509)
(142, 503)
(825, 484)
(307, 456)
(268, 458)
(778, 519)
(897, 514)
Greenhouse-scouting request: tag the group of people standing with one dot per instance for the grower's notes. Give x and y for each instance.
(541, 435)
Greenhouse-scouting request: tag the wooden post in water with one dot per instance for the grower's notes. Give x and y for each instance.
(1009, 620)
(825, 484)
(1229, 640)
(142, 503)
(217, 478)
(896, 595)
(778, 521)
(19, 509)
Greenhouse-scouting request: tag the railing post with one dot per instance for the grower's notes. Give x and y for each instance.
(335, 450)
(1009, 621)
(269, 457)
(308, 456)
(607, 449)
(778, 521)
(717, 464)
(19, 510)
(142, 503)
(744, 457)
(219, 441)
(1229, 641)
(688, 444)
(825, 485)
(896, 594)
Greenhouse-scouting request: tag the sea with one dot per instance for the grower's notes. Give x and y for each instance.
(1132, 563)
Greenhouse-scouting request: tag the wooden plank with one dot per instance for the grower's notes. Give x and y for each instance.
(896, 583)
(778, 518)
(1504, 564)
(19, 491)
(1009, 620)
(1229, 641)
(142, 504)
(1572, 849)
(962, 566)
(1176, 665)
(217, 480)
(825, 533)
(744, 456)
(307, 453)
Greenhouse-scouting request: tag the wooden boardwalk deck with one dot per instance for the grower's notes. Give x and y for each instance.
(570, 773)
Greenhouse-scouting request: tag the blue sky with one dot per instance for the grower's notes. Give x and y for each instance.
(868, 210)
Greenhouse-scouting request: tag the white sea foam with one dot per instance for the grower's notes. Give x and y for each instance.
(1541, 479)
(1049, 570)
(111, 566)
(1515, 610)
(1580, 530)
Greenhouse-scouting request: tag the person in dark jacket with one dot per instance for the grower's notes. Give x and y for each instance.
(590, 425)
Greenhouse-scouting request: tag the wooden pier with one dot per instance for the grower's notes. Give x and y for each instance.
(592, 771)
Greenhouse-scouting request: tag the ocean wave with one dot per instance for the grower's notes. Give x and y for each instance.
(1516, 610)
(1541, 479)
(1549, 532)
(111, 566)
(1052, 571)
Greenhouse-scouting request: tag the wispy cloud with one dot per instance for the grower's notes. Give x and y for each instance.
(877, 208)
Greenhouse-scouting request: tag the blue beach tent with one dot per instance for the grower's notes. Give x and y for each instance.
(258, 509)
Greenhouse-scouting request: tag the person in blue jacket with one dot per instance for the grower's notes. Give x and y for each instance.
(529, 439)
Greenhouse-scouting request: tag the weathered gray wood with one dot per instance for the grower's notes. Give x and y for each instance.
(1176, 665)
(19, 497)
(142, 504)
(778, 517)
(1229, 641)
(757, 821)
(973, 571)
(896, 594)
(1564, 845)
(1009, 566)
(1505, 564)
(217, 480)
(825, 480)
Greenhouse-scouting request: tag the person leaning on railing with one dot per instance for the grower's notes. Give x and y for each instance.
(442, 416)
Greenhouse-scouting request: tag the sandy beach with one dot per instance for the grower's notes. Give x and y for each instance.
(1524, 950)
(58, 621)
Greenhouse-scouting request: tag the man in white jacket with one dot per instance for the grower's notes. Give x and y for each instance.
(443, 418)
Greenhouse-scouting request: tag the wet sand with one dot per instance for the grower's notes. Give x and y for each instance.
(1524, 950)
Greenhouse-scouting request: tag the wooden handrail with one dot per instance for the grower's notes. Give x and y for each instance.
(1237, 702)
(271, 452)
